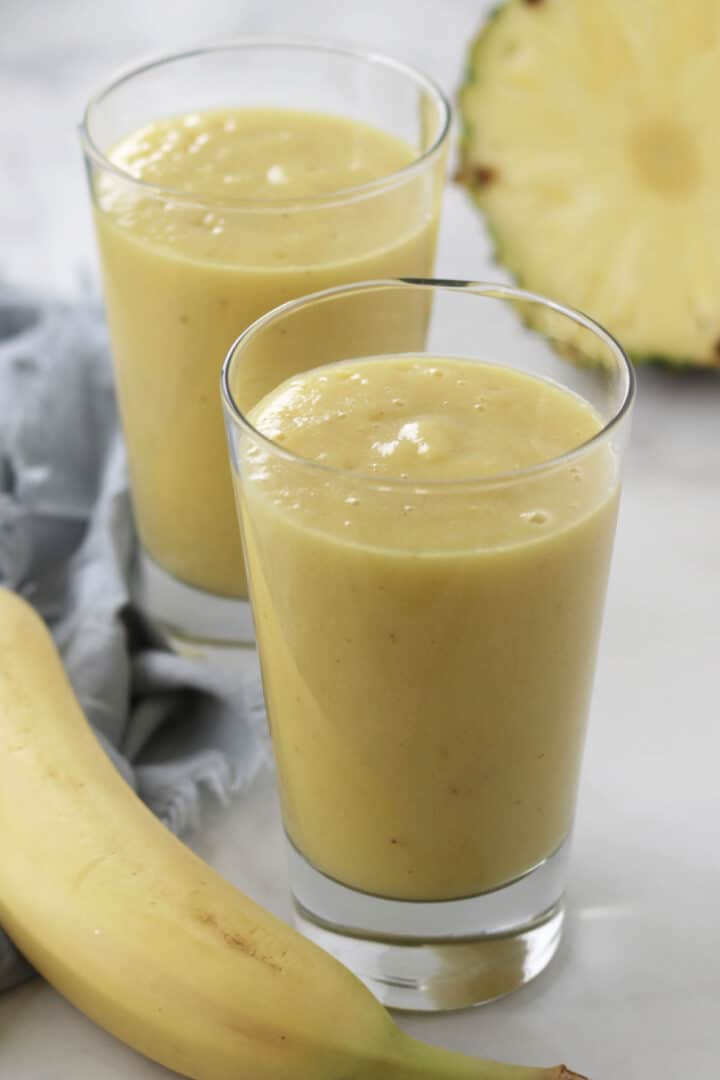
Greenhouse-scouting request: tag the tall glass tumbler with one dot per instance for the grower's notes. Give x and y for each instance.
(214, 183)
(428, 639)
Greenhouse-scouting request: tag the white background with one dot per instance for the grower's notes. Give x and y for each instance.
(634, 993)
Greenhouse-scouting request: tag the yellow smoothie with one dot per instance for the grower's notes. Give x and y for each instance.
(427, 635)
(212, 219)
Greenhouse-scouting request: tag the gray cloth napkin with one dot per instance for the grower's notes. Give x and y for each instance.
(173, 726)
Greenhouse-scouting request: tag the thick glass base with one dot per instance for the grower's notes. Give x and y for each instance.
(441, 955)
(193, 620)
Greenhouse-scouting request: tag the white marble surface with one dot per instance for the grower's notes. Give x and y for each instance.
(635, 992)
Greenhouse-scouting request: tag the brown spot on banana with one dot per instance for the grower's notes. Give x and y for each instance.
(235, 940)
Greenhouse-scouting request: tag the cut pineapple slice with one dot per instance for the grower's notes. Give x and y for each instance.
(592, 144)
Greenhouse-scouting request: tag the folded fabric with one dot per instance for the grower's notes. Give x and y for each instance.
(174, 727)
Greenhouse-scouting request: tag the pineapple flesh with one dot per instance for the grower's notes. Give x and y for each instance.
(592, 145)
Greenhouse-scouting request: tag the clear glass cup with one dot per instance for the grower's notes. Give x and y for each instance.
(179, 282)
(428, 688)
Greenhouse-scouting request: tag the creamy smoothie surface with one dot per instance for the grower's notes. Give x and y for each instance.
(214, 218)
(427, 611)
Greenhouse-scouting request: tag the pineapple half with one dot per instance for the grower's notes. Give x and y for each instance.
(592, 143)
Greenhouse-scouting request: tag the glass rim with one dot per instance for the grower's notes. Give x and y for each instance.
(297, 43)
(486, 289)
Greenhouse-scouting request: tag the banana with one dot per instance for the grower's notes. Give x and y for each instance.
(145, 938)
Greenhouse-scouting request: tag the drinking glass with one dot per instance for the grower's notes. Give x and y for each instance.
(182, 273)
(428, 645)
